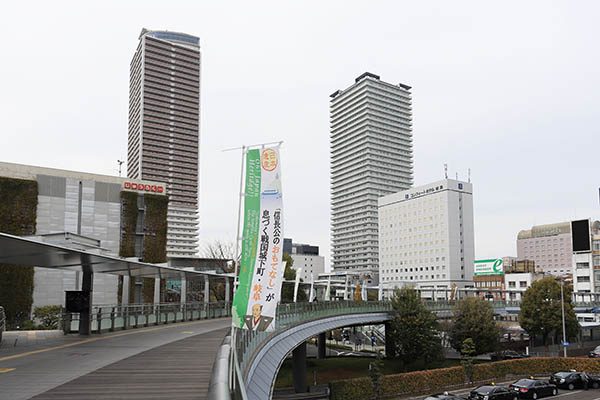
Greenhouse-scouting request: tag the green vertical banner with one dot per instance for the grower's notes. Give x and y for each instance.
(249, 237)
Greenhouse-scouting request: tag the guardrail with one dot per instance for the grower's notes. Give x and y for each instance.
(108, 318)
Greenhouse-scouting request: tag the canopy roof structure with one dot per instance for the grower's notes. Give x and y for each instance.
(34, 252)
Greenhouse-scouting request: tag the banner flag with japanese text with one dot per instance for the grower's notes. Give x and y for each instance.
(249, 237)
(265, 270)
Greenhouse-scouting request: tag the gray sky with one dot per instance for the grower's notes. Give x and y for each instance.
(509, 89)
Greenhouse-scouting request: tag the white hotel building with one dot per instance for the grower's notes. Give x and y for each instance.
(426, 237)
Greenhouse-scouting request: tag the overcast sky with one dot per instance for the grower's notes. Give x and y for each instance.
(509, 89)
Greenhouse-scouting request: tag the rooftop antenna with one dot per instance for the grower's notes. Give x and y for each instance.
(446, 170)
(469, 175)
(457, 176)
(120, 163)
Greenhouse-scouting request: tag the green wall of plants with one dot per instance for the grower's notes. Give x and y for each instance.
(18, 213)
(155, 229)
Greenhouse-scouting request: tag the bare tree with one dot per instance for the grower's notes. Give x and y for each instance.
(220, 250)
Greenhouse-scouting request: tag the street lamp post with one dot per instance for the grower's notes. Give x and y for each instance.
(562, 302)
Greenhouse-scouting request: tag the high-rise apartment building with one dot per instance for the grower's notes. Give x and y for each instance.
(426, 237)
(164, 127)
(371, 156)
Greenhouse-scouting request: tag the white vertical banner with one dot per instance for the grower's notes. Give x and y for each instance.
(312, 287)
(327, 289)
(380, 292)
(297, 283)
(265, 290)
(363, 291)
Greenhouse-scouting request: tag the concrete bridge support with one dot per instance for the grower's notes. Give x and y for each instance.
(389, 347)
(321, 343)
(299, 368)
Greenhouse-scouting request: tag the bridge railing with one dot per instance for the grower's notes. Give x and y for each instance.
(116, 317)
(247, 342)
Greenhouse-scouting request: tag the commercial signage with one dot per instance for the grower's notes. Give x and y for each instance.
(489, 267)
(423, 192)
(261, 266)
(142, 187)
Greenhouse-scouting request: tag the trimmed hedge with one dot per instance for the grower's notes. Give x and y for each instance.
(18, 214)
(443, 378)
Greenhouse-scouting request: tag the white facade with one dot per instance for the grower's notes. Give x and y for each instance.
(426, 237)
(371, 156)
(311, 265)
(520, 282)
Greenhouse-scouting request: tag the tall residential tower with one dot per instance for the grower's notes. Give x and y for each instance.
(164, 127)
(371, 156)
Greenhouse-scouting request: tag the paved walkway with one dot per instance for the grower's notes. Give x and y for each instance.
(168, 362)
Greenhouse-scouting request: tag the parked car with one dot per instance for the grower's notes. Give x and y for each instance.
(573, 380)
(492, 392)
(507, 355)
(533, 388)
(595, 353)
(444, 396)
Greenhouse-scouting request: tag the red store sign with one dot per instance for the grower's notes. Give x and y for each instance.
(142, 187)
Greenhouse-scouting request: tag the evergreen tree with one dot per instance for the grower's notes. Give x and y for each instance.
(541, 310)
(474, 318)
(415, 331)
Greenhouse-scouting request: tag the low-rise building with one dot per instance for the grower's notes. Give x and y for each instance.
(307, 257)
(77, 208)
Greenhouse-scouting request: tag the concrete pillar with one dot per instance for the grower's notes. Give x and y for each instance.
(206, 289)
(87, 285)
(227, 289)
(183, 294)
(299, 368)
(321, 345)
(389, 345)
(125, 291)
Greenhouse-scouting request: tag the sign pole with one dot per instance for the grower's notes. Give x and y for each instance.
(237, 236)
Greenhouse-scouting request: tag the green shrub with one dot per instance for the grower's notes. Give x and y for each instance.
(49, 316)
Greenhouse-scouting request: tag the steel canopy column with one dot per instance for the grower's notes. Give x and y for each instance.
(125, 291)
(299, 368)
(321, 343)
(183, 296)
(87, 285)
(206, 290)
(156, 291)
(227, 289)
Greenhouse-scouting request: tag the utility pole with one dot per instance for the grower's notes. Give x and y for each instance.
(120, 163)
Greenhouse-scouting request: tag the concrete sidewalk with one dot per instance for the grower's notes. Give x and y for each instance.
(41, 364)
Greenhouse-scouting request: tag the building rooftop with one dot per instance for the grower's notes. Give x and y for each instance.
(172, 36)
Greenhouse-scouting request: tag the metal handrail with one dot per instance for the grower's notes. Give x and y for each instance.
(248, 342)
(113, 317)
